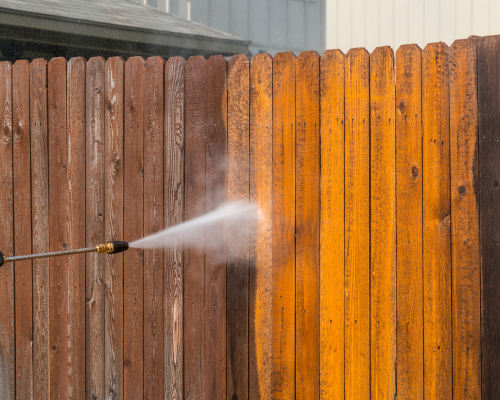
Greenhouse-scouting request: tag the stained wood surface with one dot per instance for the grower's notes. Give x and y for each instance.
(22, 227)
(332, 225)
(113, 174)
(40, 226)
(466, 284)
(238, 182)
(173, 210)
(215, 194)
(382, 224)
(283, 215)
(307, 221)
(133, 229)
(261, 191)
(153, 222)
(410, 305)
(94, 227)
(357, 225)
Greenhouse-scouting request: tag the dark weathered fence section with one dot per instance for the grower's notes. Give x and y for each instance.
(373, 272)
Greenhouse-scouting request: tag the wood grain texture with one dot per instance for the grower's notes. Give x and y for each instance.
(261, 256)
(154, 76)
(113, 174)
(466, 279)
(238, 182)
(22, 228)
(382, 224)
(94, 227)
(357, 224)
(8, 336)
(332, 225)
(307, 226)
(215, 262)
(409, 358)
(283, 276)
(58, 232)
(194, 261)
(133, 229)
(173, 175)
(40, 225)
(75, 176)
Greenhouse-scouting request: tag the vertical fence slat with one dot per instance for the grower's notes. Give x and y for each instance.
(261, 162)
(40, 225)
(357, 225)
(76, 226)
(8, 337)
(153, 222)
(332, 226)
(113, 176)
(237, 244)
(94, 227)
(22, 229)
(215, 264)
(383, 224)
(283, 305)
(466, 277)
(194, 261)
(174, 214)
(307, 213)
(409, 312)
(133, 229)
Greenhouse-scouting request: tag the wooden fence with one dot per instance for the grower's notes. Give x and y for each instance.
(374, 272)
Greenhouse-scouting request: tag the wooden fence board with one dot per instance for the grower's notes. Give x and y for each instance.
(215, 263)
(466, 277)
(173, 214)
(238, 244)
(283, 309)
(261, 180)
(40, 225)
(153, 222)
(383, 224)
(22, 229)
(133, 229)
(113, 174)
(332, 226)
(9, 337)
(357, 228)
(307, 221)
(409, 312)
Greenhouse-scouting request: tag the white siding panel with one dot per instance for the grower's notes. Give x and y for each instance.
(332, 27)
(448, 20)
(464, 18)
(386, 23)
(372, 32)
(358, 23)
(494, 17)
(430, 23)
(401, 23)
(343, 22)
(480, 17)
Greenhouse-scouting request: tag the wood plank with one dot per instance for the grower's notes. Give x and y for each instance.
(194, 261)
(410, 305)
(382, 224)
(76, 226)
(488, 53)
(133, 229)
(261, 256)
(332, 225)
(466, 290)
(113, 175)
(283, 309)
(58, 232)
(22, 228)
(307, 226)
(94, 227)
(215, 262)
(357, 225)
(238, 182)
(8, 336)
(153, 222)
(173, 175)
(40, 225)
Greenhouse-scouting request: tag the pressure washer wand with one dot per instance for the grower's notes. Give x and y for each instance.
(110, 248)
